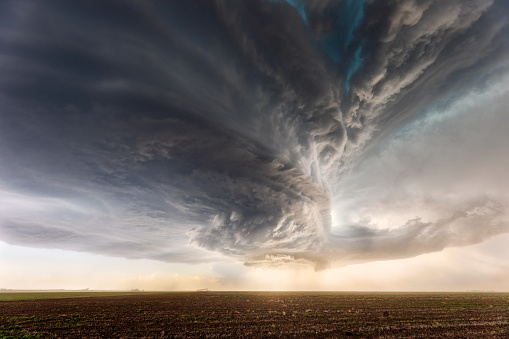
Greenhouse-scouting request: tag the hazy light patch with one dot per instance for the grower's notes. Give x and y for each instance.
(478, 267)
(32, 268)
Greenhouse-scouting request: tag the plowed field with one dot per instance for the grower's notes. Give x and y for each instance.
(260, 314)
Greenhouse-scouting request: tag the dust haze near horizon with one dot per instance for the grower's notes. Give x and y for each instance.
(251, 141)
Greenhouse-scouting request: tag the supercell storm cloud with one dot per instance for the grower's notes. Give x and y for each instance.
(275, 132)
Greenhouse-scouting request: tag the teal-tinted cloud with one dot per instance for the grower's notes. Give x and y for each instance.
(341, 44)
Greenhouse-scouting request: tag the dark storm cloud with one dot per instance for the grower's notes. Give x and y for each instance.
(163, 129)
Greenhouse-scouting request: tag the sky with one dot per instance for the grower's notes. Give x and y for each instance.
(254, 145)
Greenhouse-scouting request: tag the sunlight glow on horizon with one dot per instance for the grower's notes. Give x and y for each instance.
(476, 267)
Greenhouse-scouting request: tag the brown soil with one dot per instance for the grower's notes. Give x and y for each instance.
(260, 314)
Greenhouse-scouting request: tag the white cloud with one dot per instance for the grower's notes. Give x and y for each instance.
(452, 160)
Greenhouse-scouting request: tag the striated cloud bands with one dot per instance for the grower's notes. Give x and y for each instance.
(273, 132)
